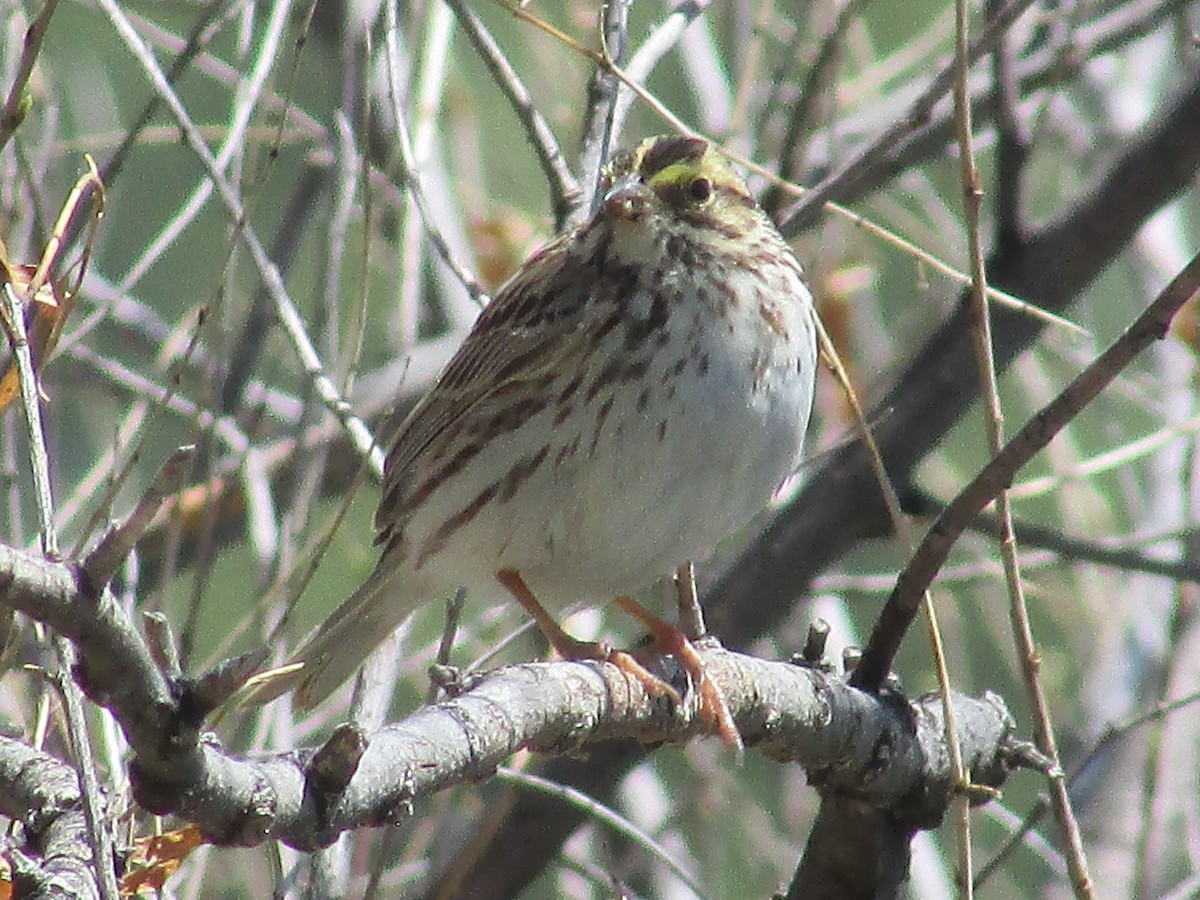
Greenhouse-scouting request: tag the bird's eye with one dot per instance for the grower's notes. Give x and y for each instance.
(700, 189)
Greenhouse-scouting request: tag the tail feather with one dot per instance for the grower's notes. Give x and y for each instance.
(342, 643)
(347, 637)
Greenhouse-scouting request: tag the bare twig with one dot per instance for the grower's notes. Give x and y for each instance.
(565, 192)
(867, 157)
(13, 314)
(165, 399)
(102, 562)
(17, 102)
(1066, 547)
(600, 122)
(1039, 431)
(981, 332)
(289, 317)
(600, 812)
(410, 175)
(814, 89)
(1112, 734)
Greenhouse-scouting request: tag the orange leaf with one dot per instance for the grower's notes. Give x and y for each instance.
(1186, 326)
(155, 859)
(501, 244)
(44, 319)
(836, 303)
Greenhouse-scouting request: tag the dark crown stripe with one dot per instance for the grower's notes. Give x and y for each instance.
(668, 151)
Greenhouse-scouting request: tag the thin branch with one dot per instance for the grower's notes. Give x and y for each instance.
(202, 33)
(985, 363)
(250, 88)
(1029, 655)
(1112, 734)
(901, 607)
(604, 814)
(565, 192)
(1064, 546)
(600, 121)
(13, 313)
(866, 158)
(103, 561)
(416, 149)
(18, 101)
(924, 131)
(651, 52)
(410, 176)
(815, 89)
(289, 317)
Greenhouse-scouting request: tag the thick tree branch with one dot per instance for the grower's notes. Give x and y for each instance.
(879, 750)
(43, 794)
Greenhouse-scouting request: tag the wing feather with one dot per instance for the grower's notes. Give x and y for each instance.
(529, 330)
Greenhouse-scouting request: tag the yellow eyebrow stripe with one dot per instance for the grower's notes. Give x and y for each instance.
(675, 173)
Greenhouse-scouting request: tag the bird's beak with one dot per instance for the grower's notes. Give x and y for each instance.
(628, 198)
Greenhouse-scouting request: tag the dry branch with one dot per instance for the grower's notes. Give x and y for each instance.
(880, 750)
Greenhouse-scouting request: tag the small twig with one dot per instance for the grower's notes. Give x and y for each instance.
(1010, 158)
(980, 327)
(416, 146)
(601, 123)
(691, 616)
(902, 605)
(289, 317)
(250, 88)
(202, 33)
(1065, 547)
(565, 192)
(648, 56)
(409, 171)
(163, 401)
(813, 91)
(454, 608)
(18, 102)
(866, 158)
(102, 562)
(12, 313)
(89, 186)
(606, 815)
(352, 173)
(1113, 733)
(748, 79)
(254, 331)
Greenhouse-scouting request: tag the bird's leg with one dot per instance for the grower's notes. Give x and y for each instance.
(572, 648)
(669, 639)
